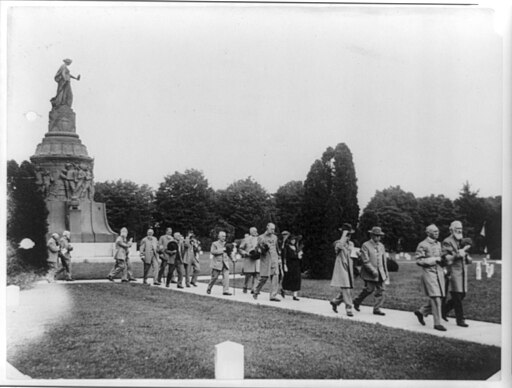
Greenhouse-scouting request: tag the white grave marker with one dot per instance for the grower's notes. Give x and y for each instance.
(13, 295)
(229, 361)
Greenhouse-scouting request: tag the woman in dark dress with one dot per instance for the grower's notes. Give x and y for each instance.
(292, 256)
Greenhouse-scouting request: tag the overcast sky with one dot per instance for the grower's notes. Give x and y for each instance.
(262, 90)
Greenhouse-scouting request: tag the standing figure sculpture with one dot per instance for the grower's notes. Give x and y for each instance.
(63, 77)
(69, 177)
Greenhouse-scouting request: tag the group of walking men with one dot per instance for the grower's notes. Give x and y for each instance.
(266, 258)
(173, 252)
(443, 269)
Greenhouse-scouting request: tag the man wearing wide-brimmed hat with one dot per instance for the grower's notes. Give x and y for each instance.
(343, 273)
(374, 271)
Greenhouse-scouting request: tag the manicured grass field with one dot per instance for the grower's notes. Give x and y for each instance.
(482, 302)
(131, 331)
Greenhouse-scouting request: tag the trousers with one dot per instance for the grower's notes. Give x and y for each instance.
(455, 303)
(433, 307)
(225, 279)
(66, 267)
(274, 285)
(369, 288)
(345, 295)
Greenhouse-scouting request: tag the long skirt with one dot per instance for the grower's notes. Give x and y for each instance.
(292, 278)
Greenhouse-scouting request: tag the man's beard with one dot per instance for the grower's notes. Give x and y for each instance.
(458, 236)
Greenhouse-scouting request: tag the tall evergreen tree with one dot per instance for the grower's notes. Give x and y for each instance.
(330, 199)
(26, 213)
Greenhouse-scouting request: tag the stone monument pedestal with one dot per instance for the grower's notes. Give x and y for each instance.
(64, 174)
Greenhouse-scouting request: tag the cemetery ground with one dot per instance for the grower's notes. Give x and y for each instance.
(133, 331)
(482, 303)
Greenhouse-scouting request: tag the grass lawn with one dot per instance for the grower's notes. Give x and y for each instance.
(482, 302)
(130, 331)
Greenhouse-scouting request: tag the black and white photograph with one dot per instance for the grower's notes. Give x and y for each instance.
(255, 193)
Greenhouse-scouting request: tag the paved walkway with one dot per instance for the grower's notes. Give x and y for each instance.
(480, 332)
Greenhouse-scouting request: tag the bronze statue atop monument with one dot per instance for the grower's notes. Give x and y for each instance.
(64, 172)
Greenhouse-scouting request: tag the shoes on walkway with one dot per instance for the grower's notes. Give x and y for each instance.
(167, 285)
(252, 291)
(174, 281)
(245, 290)
(110, 278)
(275, 300)
(334, 307)
(283, 294)
(132, 280)
(227, 293)
(356, 306)
(207, 291)
(295, 298)
(195, 285)
(440, 327)
(255, 296)
(378, 312)
(420, 317)
(188, 285)
(462, 324)
(350, 313)
(124, 281)
(157, 284)
(180, 286)
(70, 280)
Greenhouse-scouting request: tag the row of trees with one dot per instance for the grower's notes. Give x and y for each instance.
(314, 208)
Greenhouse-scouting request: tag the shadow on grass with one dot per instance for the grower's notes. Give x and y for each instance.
(130, 331)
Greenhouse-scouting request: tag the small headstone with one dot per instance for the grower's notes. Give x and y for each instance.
(13, 295)
(229, 361)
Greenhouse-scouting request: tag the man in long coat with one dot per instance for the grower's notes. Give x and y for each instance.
(269, 262)
(122, 257)
(343, 273)
(219, 264)
(149, 255)
(374, 271)
(251, 265)
(428, 257)
(189, 257)
(52, 247)
(457, 258)
(166, 258)
(175, 251)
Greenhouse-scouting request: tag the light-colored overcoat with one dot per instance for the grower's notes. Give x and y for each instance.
(149, 249)
(432, 276)
(220, 259)
(188, 252)
(373, 255)
(343, 273)
(65, 247)
(457, 269)
(53, 250)
(269, 260)
(247, 245)
(121, 249)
